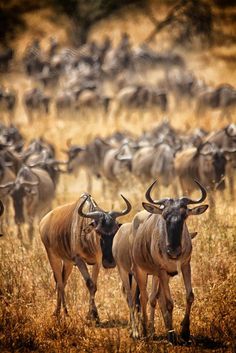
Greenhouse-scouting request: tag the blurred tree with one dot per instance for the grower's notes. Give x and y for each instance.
(187, 20)
(85, 13)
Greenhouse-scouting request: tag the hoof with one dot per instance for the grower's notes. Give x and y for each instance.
(172, 337)
(185, 337)
(93, 316)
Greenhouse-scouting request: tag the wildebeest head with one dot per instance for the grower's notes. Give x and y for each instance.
(72, 153)
(106, 226)
(174, 212)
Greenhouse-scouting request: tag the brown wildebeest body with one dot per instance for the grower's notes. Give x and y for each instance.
(69, 238)
(121, 249)
(160, 245)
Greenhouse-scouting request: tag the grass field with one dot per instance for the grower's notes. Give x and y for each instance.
(27, 289)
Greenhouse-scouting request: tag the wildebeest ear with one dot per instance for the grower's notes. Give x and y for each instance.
(1, 208)
(198, 210)
(193, 235)
(151, 208)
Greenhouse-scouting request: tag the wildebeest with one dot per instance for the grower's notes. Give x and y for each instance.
(36, 100)
(89, 157)
(160, 246)
(222, 97)
(156, 161)
(225, 139)
(7, 102)
(32, 193)
(205, 163)
(141, 97)
(71, 239)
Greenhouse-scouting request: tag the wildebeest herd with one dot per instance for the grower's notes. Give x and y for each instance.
(156, 241)
(68, 80)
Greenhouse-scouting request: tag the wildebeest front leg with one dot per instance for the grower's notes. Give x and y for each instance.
(93, 313)
(89, 283)
(166, 305)
(186, 271)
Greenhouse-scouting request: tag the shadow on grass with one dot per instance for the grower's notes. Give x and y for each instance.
(113, 323)
(197, 341)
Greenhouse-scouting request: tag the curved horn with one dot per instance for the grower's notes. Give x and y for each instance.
(202, 198)
(29, 183)
(206, 153)
(8, 185)
(149, 198)
(115, 214)
(56, 162)
(94, 215)
(229, 150)
(228, 132)
(1, 208)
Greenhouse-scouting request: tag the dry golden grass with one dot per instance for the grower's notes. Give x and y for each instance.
(27, 289)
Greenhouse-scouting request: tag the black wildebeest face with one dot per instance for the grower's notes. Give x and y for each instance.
(174, 213)
(212, 162)
(219, 163)
(73, 153)
(18, 194)
(105, 225)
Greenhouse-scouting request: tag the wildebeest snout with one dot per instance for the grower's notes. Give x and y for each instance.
(174, 253)
(108, 263)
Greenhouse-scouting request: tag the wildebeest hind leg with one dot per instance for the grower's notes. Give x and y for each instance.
(141, 278)
(56, 266)
(66, 271)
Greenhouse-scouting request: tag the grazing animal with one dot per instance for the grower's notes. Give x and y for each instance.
(226, 139)
(90, 158)
(205, 163)
(36, 100)
(162, 244)
(222, 97)
(121, 250)
(70, 239)
(32, 193)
